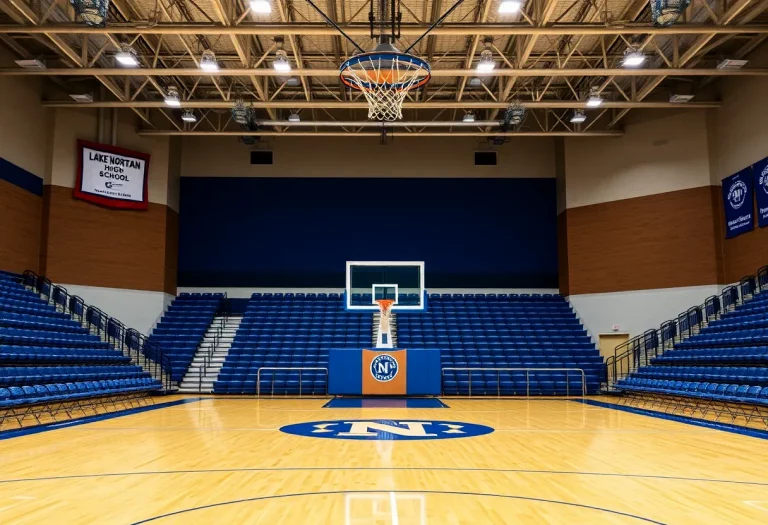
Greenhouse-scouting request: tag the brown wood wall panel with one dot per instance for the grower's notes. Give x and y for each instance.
(171, 250)
(20, 218)
(562, 254)
(659, 241)
(94, 246)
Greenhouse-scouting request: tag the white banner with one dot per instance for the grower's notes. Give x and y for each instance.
(112, 176)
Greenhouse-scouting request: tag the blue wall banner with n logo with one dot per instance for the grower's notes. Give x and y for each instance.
(738, 203)
(760, 169)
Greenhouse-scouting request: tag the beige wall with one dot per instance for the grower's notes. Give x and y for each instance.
(72, 124)
(658, 153)
(364, 156)
(23, 121)
(738, 131)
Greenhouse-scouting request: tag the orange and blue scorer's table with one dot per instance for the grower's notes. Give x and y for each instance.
(384, 372)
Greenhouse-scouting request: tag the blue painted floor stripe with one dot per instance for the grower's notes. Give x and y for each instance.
(725, 427)
(10, 434)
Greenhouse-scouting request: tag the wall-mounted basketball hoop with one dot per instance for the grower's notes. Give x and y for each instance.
(385, 75)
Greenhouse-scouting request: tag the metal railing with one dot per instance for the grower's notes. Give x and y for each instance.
(210, 346)
(639, 350)
(527, 377)
(289, 368)
(131, 343)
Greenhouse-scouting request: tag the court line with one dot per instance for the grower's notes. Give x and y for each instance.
(453, 493)
(437, 469)
(47, 427)
(724, 427)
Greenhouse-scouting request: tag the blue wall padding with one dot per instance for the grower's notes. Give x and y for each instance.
(345, 372)
(299, 232)
(423, 372)
(344, 377)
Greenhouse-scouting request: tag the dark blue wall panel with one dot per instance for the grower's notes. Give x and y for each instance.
(298, 232)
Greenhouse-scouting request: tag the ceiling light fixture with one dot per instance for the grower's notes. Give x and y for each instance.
(172, 98)
(594, 99)
(633, 57)
(294, 117)
(92, 12)
(262, 7)
(127, 56)
(281, 61)
(208, 61)
(578, 117)
(486, 63)
(188, 116)
(507, 7)
(468, 117)
(666, 12)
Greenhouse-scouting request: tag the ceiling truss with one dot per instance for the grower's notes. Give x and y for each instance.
(548, 57)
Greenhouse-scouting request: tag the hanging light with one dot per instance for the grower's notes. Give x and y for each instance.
(578, 117)
(172, 98)
(294, 117)
(666, 12)
(486, 63)
(92, 12)
(594, 99)
(509, 6)
(127, 56)
(633, 57)
(468, 117)
(188, 116)
(515, 113)
(281, 61)
(261, 7)
(240, 112)
(208, 61)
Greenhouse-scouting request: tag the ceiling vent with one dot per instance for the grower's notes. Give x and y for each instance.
(82, 98)
(730, 64)
(678, 98)
(30, 64)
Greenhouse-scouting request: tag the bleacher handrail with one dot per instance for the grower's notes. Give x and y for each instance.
(146, 353)
(638, 351)
(527, 377)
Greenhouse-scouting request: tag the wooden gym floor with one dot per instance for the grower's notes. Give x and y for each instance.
(225, 461)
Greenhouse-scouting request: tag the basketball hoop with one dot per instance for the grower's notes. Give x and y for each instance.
(385, 307)
(385, 76)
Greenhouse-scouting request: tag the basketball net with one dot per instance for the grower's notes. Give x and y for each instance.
(385, 84)
(384, 340)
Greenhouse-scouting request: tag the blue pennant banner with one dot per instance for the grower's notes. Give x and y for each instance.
(760, 170)
(738, 203)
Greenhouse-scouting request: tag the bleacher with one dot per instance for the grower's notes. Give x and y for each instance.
(46, 357)
(290, 331)
(725, 362)
(505, 331)
(182, 327)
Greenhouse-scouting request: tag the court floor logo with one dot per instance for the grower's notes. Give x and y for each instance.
(386, 429)
(384, 368)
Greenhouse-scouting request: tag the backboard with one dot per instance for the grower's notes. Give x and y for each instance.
(401, 281)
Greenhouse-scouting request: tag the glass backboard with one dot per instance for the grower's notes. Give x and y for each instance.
(400, 281)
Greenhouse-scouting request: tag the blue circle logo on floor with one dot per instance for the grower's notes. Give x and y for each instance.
(387, 429)
(384, 368)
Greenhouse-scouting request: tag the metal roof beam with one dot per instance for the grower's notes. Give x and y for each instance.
(314, 29)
